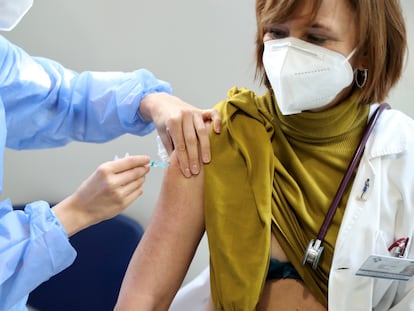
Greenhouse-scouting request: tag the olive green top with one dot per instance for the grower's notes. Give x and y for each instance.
(274, 173)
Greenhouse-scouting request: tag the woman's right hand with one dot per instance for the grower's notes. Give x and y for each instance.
(105, 194)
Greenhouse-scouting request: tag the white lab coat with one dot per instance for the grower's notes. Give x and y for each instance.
(371, 223)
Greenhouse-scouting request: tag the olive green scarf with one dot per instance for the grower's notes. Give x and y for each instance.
(269, 173)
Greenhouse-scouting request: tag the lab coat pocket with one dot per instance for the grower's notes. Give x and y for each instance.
(382, 242)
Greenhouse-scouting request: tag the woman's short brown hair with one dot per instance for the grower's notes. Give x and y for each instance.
(381, 38)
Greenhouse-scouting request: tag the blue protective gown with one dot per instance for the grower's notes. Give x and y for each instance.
(44, 105)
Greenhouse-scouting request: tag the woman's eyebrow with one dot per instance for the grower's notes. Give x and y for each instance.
(319, 25)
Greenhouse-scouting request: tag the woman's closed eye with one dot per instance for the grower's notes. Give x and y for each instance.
(316, 39)
(276, 33)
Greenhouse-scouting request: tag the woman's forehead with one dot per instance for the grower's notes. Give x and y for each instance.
(329, 14)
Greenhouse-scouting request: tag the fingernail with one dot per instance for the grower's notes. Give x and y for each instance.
(194, 169)
(187, 172)
(206, 158)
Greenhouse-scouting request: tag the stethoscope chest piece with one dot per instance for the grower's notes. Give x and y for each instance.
(313, 253)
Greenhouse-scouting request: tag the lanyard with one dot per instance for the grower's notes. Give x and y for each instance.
(315, 249)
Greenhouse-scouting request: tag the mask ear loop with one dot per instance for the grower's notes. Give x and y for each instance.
(351, 54)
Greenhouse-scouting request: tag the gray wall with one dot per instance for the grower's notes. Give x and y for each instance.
(202, 47)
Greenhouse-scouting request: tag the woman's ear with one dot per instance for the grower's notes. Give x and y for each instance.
(362, 61)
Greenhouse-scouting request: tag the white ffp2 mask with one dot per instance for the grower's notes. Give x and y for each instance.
(303, 75)
(12, 11)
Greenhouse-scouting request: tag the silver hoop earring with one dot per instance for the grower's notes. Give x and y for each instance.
(361, 77)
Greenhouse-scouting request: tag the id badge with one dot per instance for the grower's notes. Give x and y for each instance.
(387, 267)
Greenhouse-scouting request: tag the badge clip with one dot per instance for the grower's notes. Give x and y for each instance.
(398, 247)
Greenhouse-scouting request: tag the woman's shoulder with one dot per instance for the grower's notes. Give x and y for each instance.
(397, 120)
(393, 133)
(246, 101)
(238, 95)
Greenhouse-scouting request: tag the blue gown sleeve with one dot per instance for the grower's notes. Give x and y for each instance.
(48, 105)
(45, 105)
(33, 247)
